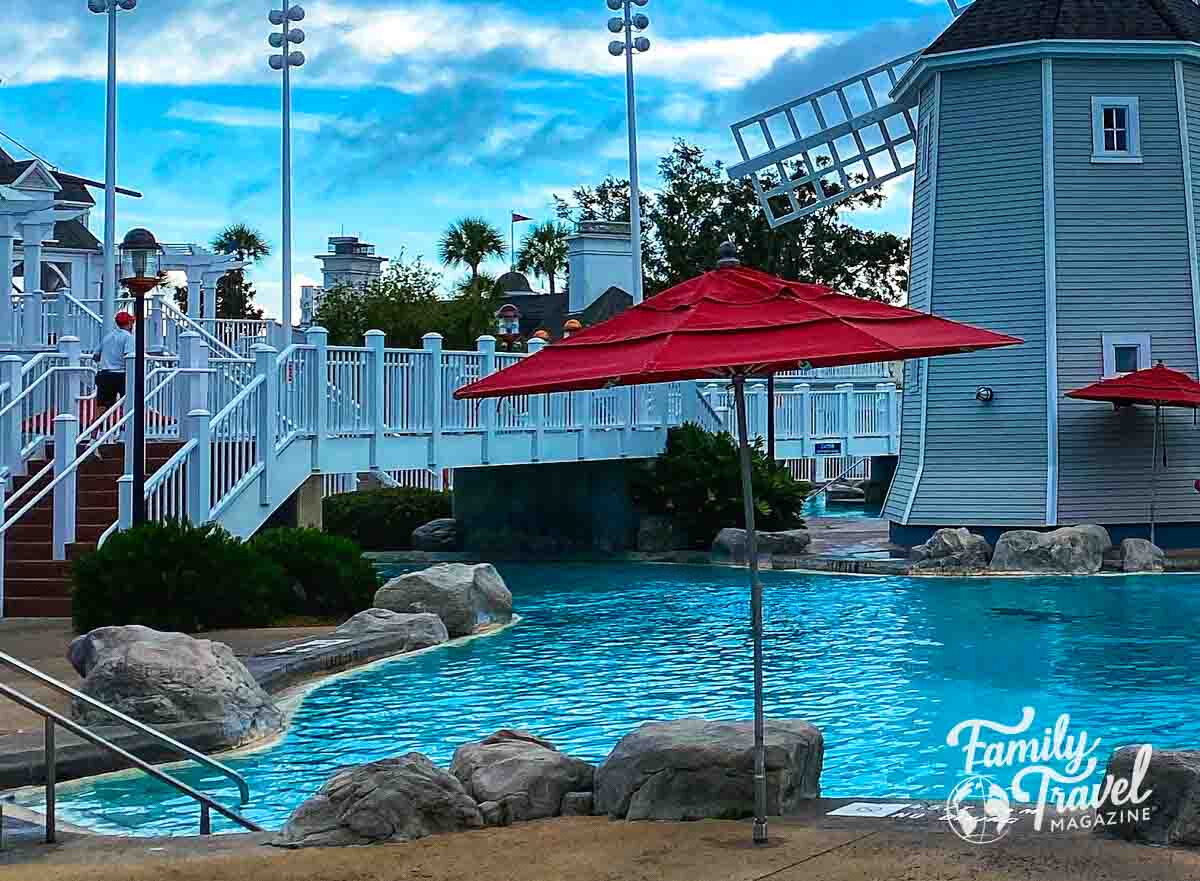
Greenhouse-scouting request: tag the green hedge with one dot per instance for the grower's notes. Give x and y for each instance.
(383, 519)
(176, 576)
(697, 481)
(334, 579)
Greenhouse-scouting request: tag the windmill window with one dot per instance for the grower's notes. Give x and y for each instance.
(1116, 133)
(1125, 352)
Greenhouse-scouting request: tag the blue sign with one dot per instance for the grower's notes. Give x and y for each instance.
(830, 448)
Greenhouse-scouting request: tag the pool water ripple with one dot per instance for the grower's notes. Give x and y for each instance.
(884, 666)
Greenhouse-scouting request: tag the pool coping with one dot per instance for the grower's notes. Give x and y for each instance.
(286, 677)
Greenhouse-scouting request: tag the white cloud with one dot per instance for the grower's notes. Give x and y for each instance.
(410, 47)
(256, 117)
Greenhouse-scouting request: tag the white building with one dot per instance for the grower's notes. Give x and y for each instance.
(349, 262)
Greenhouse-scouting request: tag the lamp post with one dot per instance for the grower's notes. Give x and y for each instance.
(108, 295)
(508, 325)
(285, 61)
(627, 23)
(139, 274)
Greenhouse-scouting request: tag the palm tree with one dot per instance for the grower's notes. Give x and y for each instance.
(244, 241)
(234, 293)
(469, 242)
(544, 250)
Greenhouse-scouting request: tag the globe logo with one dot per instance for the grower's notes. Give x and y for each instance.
(978, 811)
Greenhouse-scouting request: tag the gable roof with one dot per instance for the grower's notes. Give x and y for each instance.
(73, 187)
(1000, 22)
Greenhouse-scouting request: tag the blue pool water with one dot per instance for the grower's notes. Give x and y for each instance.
(820, 506)
(884, 666)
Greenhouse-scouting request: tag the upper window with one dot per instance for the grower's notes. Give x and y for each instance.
(1115, 130)
(1125, 352)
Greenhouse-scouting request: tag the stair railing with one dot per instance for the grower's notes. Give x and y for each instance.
(53, 719)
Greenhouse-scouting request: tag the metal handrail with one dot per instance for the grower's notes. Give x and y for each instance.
(54, 718)
(830, 483)
(20, 666)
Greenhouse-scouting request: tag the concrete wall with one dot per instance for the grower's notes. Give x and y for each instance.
(567, 507)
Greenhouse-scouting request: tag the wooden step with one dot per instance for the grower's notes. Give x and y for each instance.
(50, 569)
(37, 587)
(37, 607)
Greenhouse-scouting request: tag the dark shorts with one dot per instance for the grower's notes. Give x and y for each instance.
(110, 385)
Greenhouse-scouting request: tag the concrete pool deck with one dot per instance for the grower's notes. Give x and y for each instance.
(821, 848)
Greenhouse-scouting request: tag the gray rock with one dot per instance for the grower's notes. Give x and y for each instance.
(396, 799)
(494, 814)
(691, 769)
(1173, 783)
(1140, 555)
(845, 492)
(442, 534)
(578, 804)
(658, 533)
(730, 544)
(952, 549)
(160, 678)
(466, 597)
(1068, 550)
(526, 774)
(421, 629)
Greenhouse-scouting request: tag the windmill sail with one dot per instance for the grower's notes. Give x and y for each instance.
(827, 146)
(957, 7)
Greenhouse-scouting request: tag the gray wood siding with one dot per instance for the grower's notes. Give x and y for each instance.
(1122, 267)
(986, 463)
(918, 298)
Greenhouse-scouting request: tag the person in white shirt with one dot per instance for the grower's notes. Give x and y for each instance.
(110, 358)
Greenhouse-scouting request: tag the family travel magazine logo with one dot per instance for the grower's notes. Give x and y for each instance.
(1050, 770)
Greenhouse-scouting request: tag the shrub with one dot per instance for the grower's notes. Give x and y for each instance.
(335, 579)
(176, 576)
(697, 480)
(383, 519)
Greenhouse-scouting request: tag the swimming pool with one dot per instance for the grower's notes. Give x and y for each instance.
(821, 506)
(884, 666)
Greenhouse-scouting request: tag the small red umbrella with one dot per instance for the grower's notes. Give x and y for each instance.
(735, 322)
(1157, 387)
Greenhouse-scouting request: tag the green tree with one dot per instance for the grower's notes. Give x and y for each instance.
(543, 251)
(469, 242)
(698, 207)
(403, 304)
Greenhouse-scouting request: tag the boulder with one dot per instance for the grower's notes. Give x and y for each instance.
(526, 775)
(952, 549)
(845, 492)
(578, 804)
(442, 534)
(730, 544)
(161, 678)
(1140, 555)
(421, 629)
(658, 533)
(1171, 813)
(691, 769)
(466, 597)
(396, 799)
(1069, 550)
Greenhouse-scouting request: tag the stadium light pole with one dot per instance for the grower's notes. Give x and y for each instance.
(284, 61)
(628, 22)
(108, 296)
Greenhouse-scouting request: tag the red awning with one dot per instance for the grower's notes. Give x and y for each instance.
(1157, 386)
(733, 320)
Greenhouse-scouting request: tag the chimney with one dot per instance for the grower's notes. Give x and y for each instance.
(599, 256)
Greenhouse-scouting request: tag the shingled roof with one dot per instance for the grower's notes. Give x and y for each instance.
(1000, 22)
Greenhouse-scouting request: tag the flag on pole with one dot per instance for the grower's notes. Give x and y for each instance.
(517, 218)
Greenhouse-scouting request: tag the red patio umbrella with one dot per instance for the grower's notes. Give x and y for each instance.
(735, 322)
(1157, 387)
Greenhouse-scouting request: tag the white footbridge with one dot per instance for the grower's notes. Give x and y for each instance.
(252, 417)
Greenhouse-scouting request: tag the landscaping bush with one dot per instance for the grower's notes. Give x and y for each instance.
(334, 578)
(383, 519)
(697, 481)
(176, 576)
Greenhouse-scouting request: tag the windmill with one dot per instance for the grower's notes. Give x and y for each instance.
(846, 138)
(1054, 149)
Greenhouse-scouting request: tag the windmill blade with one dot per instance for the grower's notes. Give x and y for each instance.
(822, 149)
(957, 8)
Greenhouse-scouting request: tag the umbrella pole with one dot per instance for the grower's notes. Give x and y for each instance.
(756, 605)
(1154, 474)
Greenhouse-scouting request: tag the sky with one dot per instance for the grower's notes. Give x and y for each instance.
(411, 115)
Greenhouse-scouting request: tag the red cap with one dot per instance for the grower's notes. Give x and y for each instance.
(124, 319)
